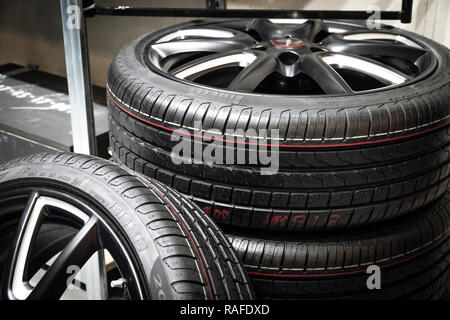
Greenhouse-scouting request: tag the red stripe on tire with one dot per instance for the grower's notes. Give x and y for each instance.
(279, 145)
(342, 273)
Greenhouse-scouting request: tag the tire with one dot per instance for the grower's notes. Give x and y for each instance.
(345, 161)
(412, 254)
(176, 251)
(336, 207)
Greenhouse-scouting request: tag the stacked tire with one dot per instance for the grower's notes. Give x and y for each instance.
(163, 247)
(362, 178)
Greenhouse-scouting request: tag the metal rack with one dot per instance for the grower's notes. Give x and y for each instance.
(404, 15)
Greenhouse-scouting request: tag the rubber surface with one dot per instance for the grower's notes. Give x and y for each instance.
(293, 201)
(412, 254)
(179, 251)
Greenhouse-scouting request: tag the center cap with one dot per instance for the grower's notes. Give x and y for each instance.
(288, 43)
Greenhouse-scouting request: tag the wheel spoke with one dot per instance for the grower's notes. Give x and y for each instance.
(204, 65)
(324, 75)
(252, 75)
(379, 71)
(332, 26)
(308, 30)
(381, 36)
(269, 29)
(196, 33)
(195, 45)
(266, 29)
(373, 48)
(84, 244)
(202, 40)
(29, 225)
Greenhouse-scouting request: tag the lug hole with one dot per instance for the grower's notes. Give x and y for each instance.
(288, 58)
(314, 49)
(255, 35)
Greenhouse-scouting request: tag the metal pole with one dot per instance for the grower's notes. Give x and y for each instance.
(78, 77)
(407, 8)
(215, 4)
(93, 273)
(237, 13)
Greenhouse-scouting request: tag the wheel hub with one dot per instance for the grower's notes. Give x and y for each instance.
(288, 43)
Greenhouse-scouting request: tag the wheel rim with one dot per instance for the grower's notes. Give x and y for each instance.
(32, 209)
(296, 57)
